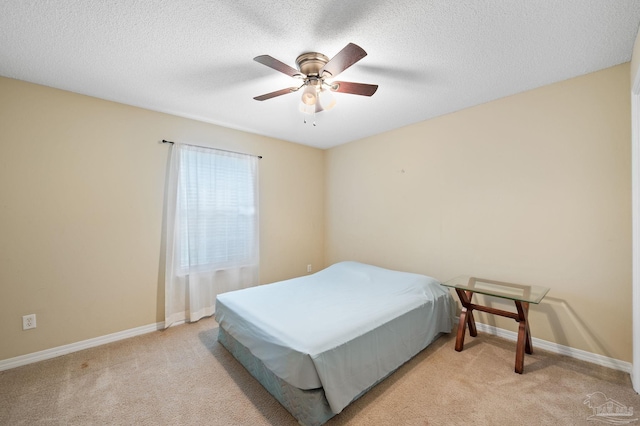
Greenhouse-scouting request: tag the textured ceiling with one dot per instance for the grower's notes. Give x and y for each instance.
(194, 58)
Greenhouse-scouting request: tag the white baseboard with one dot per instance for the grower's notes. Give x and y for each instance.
(602, 360)
(506, 334)
(18, 361)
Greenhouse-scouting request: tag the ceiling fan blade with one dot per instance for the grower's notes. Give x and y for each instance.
(348, 56)
(354, 88)
(276, 93)
(272, 62)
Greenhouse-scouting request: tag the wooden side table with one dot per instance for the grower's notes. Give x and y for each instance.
(522, 295)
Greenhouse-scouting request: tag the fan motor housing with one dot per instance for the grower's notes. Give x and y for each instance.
(311, 63)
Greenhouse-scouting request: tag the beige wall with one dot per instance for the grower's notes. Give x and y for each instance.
(533, 189)
(81, 206)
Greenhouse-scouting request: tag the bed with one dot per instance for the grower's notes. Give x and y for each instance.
(318, 342)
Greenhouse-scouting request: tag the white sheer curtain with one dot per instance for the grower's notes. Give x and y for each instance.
(212, 229)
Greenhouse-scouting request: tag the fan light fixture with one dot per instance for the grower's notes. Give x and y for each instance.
(327, 99)
(310, 95)
(316, 96)
(315, 68)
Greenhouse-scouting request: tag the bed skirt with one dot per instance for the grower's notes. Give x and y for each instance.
(309, 407)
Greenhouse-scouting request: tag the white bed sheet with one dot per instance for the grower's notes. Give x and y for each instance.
(342, 328)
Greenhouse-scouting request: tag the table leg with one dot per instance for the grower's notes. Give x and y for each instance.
(471, 321)
(524, 335)
(466, 319)
(462, 327)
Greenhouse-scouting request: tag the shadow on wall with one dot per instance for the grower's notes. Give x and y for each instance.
(551, 306)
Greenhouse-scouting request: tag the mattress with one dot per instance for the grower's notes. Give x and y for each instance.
(341, 329)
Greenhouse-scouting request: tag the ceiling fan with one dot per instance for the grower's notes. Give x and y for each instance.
(315, 70)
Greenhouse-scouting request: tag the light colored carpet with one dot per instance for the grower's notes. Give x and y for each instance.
(183, 376)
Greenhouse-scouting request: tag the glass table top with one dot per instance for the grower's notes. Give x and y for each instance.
(523, 293)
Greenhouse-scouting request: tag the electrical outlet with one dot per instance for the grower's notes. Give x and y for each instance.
(309, 268)
(29, 321)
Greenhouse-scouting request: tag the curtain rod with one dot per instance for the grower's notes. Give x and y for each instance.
(225, 150)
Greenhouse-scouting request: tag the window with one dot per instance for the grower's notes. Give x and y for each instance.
(217, 206)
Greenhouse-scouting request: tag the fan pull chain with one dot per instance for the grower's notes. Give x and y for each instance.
(304, 120)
